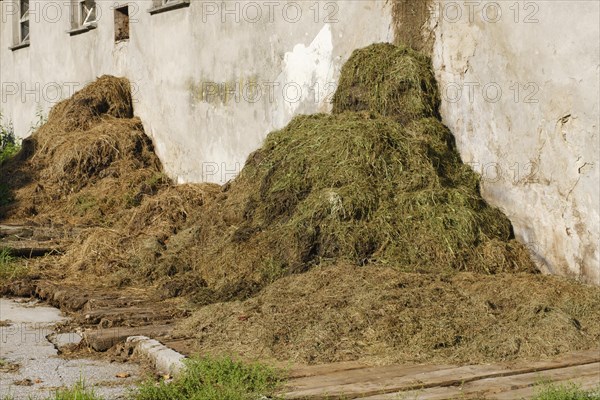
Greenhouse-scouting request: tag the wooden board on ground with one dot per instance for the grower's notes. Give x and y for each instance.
(39, 233)
(306, 371)
(502, 388)
(104, 339)
(132, 316)
(31, 248)
(378, 381)
(35, 241)
(15, 231)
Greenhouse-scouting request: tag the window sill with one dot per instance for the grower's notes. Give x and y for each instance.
(19, 46)
(82, 29)
(169, 7)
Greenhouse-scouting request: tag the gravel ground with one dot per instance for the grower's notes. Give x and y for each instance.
(24, 328)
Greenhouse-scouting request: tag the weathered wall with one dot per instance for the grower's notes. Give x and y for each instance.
(210, 80)
(521, 95)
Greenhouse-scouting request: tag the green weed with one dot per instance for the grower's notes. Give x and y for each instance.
(214, 379)
(565, 391)
(78, 392)
(10, 268)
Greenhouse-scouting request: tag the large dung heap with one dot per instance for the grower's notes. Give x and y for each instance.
(355, 235)
(356, 186)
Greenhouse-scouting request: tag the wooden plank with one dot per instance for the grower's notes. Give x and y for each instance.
(341, 378)
(137, 315)
(380, 380)
(305, 371)
(503, 388)
(40, 232)
(16, 231)
(30, 248)
(66, 298)
(104, 339)
(98, 301)
(360, 381)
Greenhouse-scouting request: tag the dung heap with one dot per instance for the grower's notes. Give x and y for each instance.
(90, 160)
(356, 235)
(357, 186)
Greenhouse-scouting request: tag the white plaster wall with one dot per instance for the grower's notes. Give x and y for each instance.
(539, 154)
(172, 56)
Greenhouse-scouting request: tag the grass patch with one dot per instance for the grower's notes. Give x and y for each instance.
(8, 151)
(566, 391)
(10, 268)
(78, 392)
(214, 379)
(9, 144)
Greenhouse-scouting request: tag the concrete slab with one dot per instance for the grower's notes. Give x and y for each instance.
(165, 360)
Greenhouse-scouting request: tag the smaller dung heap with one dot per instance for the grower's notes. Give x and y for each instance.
(90, 160)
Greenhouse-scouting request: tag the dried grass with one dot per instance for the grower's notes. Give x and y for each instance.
(379, 315)
(90, 160)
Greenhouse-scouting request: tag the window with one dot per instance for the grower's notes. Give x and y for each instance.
(83, 16)
(121, 23)
(24, 21)
(21, 26)
(86, 12)
(159, 6)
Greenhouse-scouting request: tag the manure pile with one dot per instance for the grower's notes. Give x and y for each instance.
(356, 235)
(90, 160)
